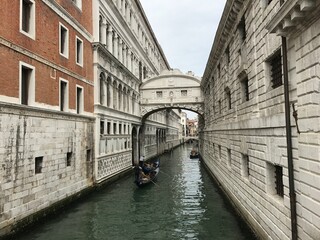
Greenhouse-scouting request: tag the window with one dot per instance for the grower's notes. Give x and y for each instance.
(228, 54)
(276, 69)
(275, 179)
(219, 70)
(69, 158)
(279, 181)
(159, 94)
(245, 89)
(229, 157)
(108, 127)
(27, 18)
(242, 29)
(79, 100)
(184, 93)
(220, 107)
(79, 51)
(64, 101)
(140, 70)
(245, 165)
(124, 129)
(88, 157)
(27, 84)
(78, 3)
(120, 128)
(38, 165)
(228, 97)
(101, 127)
(219, 149)
(114, 128)
(64, 41)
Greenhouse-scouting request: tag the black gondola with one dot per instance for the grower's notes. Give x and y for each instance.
(147, 173)
(194, 154)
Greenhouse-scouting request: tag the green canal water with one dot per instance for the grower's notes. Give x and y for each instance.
(184, 203)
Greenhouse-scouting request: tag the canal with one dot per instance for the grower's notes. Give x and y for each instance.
(184, 203)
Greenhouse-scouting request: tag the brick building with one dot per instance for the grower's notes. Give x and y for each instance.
(261, 137)
(46, 102)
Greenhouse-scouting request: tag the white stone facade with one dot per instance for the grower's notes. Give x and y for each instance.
(126, 53)
(243, 141)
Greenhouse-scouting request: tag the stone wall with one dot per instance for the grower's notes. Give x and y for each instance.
(44, 157)
(243, 142)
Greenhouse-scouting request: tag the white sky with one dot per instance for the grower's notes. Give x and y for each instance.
(185, 30)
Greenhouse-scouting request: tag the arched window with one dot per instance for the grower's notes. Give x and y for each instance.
(108, 91)
(115, 95)
(124, 93)
(102, 88)
(119, 97)
(133, 102)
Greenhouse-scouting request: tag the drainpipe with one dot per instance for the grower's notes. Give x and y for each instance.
(292, 194)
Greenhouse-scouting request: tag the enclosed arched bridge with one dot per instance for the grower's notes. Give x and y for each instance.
(171, 89)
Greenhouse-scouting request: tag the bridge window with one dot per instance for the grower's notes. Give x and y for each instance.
(184, 93)
(159, 94)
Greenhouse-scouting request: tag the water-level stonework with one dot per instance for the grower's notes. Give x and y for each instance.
(184, 203)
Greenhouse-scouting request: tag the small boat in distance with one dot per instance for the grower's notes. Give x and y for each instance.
(194, 154)
(147, 173)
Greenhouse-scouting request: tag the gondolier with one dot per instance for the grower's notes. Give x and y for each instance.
(141, 161)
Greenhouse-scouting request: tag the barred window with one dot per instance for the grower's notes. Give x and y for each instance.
(279, 181)
(245, 89)
(184, 93)
(276, 69)
(159, 94)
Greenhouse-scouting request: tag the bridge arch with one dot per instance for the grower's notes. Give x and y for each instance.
(171, 90)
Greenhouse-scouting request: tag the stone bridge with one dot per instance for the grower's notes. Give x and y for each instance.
(173, 90)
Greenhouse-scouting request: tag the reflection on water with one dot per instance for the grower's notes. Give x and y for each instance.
(183, 204)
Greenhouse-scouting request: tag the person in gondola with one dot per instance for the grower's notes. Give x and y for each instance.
(141, 161)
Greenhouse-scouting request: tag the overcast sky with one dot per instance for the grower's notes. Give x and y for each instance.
(185, 30)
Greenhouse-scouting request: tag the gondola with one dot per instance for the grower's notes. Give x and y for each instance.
(194, 154)
(147, 173)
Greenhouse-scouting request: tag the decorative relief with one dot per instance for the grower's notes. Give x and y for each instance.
(108, 166)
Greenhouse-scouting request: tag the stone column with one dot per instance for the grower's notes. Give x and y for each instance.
(110, 38)
(120, 51)
(129, 60)
(124, 4)
(115, 44)
(103, 31)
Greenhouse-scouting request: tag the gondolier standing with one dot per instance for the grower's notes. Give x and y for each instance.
(141, 161)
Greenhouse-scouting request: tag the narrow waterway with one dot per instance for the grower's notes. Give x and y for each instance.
(184, 203)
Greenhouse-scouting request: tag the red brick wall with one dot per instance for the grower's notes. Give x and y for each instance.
(46, 45)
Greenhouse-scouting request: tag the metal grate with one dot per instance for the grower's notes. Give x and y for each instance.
(276, 70)
(245, 83)
(279, 181)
